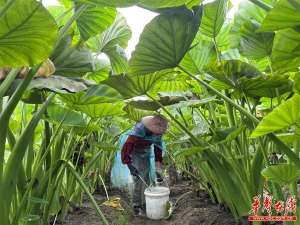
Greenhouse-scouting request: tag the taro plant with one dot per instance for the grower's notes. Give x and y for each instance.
(236, 62)
(36, 158)
(62, 108)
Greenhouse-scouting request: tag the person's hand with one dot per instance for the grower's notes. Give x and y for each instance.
(159, 178)
(133, 170)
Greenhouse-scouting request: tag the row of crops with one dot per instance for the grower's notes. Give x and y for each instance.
(230, 88)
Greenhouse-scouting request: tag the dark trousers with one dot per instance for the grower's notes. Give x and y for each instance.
(140, 160)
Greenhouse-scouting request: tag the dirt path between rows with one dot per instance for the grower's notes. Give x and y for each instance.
(193, 209)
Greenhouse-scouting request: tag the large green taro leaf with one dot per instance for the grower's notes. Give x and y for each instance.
(135, 114)
(231, 54)
(193, 3)
(226, 134)
(285, 14)
(57, 114)
(112, 42)
(102, 69)
(118, 33)
(70, 61)
(231, 71)
(164, 42)
(102, 109)
(27, 33)
(135, 85)
(284, 116)
(66, 3)
(118, 59)
(286, 51)
(59, 84)
(93, 95)
(113, 3)
(125, 85)
(53, 83)
(57, 11)
(288, 138)
(166, 3)
(144, 103)
(214, 15)
(227, 39)
(283, 174)
(199, 56)
(144, 3)
(297, 83)
(255, 45)
(168, 85)
(246, 11)
(265, 86)
(94, 20)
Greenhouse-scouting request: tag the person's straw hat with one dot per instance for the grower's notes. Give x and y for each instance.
(157, 124)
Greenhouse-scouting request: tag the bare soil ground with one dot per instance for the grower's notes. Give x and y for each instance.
(193, 209)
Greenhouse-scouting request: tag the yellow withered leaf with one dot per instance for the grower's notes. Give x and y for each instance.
(114, 203)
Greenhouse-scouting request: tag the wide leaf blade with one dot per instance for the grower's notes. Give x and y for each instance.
(112, 3)
(164, 42)
(112, 42)
(255, 45)
(286, 51)
(94, 20)
(94, 95)
(57, 114)
(101, 110)
(268, 86)
(285, 115)
(282, 173)
(285, 14)
(214, 15)
(118, 33)
(70, 61)
(199, 56)
(27, 34)
(134, 85)
(163, 3)
(230, 71)
(56, 84)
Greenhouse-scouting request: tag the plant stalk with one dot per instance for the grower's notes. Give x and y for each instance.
(5, 85)
(7, 112)
(14, 163)
(193, 138)
(243, 111)
(68, 25)
(261, 4)
(71, 168)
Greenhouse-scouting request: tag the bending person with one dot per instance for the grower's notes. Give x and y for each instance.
(136, 153)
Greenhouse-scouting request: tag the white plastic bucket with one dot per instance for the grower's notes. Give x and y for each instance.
(156, 202)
